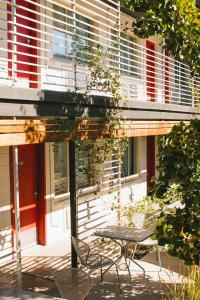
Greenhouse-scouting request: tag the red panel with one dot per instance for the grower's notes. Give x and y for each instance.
(150, 71)
(28, 185)
(42, 193)
(25, 23)
(150, 161)
(166, 89)
(31, 178)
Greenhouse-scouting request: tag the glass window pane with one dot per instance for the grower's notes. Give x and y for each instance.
(69, 47)
(128, 159)
(61, 177)
(83, 169)
(125, 162)
(83, 32)
(59, 44)
(127, 54)
(60, 16)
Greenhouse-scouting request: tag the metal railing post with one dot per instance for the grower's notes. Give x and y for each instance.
(14, 54)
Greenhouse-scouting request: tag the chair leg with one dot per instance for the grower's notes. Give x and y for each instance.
(134, 251)
(133, 254)
(158, 256)
(118, 279)
(101, 275)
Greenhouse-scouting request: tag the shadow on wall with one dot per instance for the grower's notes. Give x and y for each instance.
(5, 237)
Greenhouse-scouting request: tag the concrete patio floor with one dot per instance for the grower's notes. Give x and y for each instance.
(39, 273)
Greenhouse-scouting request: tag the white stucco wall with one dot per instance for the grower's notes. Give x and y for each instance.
(5, 216)
(58, 210)
(94, 209)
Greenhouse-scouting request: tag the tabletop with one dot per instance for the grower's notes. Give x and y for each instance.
(124, 233)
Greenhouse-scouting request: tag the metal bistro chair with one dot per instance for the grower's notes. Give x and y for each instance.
(92, 261)
(150, 221)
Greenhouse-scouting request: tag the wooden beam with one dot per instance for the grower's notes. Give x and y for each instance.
(17, 132)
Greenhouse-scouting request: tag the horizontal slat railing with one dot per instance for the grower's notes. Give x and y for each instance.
(41, 46)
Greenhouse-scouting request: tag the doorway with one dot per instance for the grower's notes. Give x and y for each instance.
(150, 71)
(31, 194)
(25, 46)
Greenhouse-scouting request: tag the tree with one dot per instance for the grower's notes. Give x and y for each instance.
(179, 163)
(177, 21)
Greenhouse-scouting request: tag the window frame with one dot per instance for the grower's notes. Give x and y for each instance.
(64, 194)
(83, 28)
(130, 158)
(130, 63)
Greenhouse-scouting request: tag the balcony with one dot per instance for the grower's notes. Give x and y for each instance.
(41, 49)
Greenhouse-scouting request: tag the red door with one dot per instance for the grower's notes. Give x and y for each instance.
(28, 189)
(26, 41)
(150, 162)
(150, 71)
(31, 194)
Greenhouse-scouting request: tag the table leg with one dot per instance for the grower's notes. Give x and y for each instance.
(138, 265)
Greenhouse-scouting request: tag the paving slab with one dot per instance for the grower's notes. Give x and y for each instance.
(20, 294)
(73, 285)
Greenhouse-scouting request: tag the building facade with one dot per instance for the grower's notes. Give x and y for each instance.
(42, 63)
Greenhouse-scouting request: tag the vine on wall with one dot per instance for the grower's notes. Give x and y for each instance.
(179, 164)
(103, 81)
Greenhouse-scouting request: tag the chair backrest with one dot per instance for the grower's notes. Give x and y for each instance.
(151, 219)
(81, 248)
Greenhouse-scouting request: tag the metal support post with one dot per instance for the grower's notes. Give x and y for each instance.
(73, 198)
(17, 217)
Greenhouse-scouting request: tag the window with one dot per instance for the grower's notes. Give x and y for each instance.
(85, 174)
(128, 63)
(127, 60)
(183, 91)
(128, 160)
(61, 168)
(63, 38)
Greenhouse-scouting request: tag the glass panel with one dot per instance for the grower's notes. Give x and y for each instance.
(114, 44)
(69, 47)
(125, 162)
(128, 159)
(127, 54)
(83, 30)
(62, 41)
(59, 44)
(61, 178)
(60, 16)
(83, 169)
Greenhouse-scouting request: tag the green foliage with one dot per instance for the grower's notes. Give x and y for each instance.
(188, 289)
(102, 80)
(177, 21)
(179, 163)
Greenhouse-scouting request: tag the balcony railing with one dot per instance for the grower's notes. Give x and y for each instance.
(40, 48)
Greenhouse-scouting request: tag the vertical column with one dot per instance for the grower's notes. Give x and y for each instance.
(73, 198)
(119, 73)
(17, 216)
(74, 45)
(150, 162)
